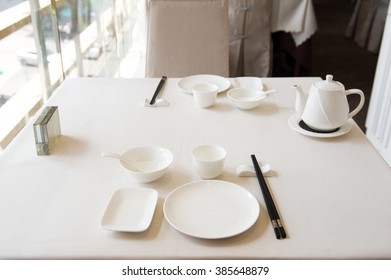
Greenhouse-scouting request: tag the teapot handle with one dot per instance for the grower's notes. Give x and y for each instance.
(360, 105)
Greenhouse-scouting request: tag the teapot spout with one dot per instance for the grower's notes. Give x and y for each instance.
(301, 99)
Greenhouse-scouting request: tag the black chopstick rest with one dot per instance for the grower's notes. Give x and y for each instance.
(159, 87)
(270, 206)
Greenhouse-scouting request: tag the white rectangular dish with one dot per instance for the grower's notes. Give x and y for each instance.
(130, 210)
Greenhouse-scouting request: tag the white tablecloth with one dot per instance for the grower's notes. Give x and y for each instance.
(294, 16)
(333, 194)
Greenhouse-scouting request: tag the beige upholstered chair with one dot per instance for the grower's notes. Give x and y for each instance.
(250, 38)
(367, 23)
(187, 37)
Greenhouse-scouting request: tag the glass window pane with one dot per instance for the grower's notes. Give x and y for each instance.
(44, 41)
(20, 84)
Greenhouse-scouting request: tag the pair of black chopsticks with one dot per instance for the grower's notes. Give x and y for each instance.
(271, 207)
(159, 87)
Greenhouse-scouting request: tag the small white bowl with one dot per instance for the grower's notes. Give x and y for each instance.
(152, 160)
(246, 98)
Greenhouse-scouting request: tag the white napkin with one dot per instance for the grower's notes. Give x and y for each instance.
(249, 82)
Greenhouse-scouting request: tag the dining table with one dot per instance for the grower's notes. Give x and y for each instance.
(332, 192)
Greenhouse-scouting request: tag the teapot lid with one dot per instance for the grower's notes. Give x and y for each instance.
(329, 84)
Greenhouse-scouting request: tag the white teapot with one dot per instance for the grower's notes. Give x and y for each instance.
(326, 107)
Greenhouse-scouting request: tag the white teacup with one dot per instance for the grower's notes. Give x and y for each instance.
(208, 160)
(205, 94)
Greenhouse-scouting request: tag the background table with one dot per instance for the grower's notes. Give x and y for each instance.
(296, 17)
(333, 194)
(293, 25)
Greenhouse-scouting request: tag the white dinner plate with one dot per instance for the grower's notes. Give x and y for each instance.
(294, 123)
(211, 209)
(186, 84)
(130, 210)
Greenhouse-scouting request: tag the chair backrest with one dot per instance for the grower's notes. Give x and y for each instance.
(250, 38)
(187, 37)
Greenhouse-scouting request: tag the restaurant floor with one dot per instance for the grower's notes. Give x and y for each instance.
(334, 53)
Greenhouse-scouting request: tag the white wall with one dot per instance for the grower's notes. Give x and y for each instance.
(378, 121)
